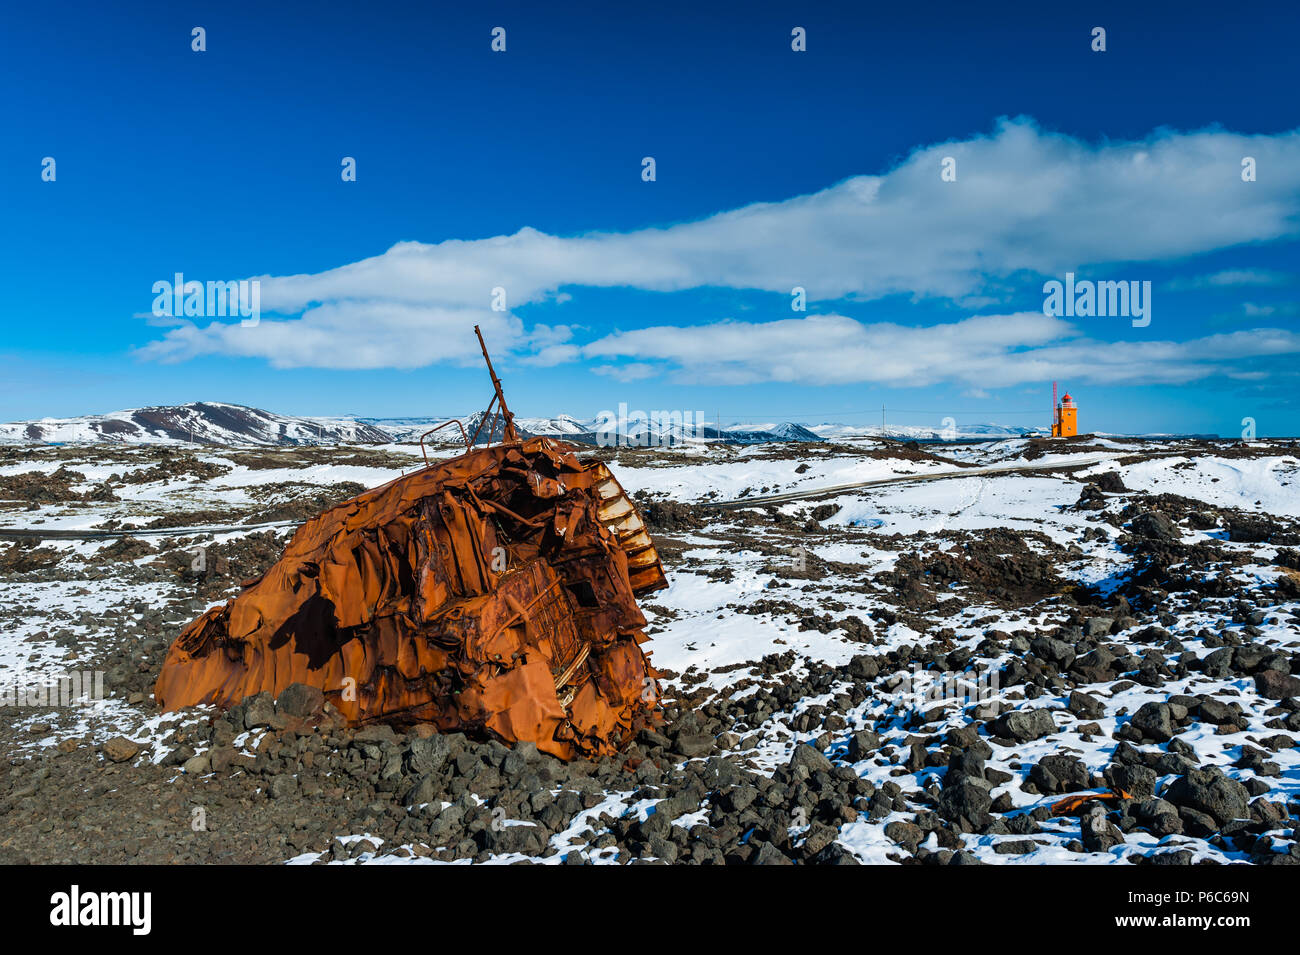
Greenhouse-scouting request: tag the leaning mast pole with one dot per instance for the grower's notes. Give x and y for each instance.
(508, 430)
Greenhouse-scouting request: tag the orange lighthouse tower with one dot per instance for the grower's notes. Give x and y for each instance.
(1065, 416)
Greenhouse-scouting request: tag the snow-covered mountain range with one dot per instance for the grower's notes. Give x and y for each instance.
(221, 423)
(200, 422)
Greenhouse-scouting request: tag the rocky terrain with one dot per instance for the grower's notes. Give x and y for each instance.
(910, 673)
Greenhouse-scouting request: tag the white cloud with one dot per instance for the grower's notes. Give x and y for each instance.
(1025, 201)
(353, 335)
(1251, 310)
(987, 351)
(1230, 278)
(633, 371)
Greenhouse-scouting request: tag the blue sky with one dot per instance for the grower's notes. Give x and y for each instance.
(522, 170)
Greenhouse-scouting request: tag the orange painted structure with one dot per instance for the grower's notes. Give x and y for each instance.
(492, 593)
(1065, 416)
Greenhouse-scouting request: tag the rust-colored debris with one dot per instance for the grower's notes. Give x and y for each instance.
(1071, 805)
(493, 592)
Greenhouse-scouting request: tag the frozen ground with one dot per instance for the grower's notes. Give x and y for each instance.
(906, 673)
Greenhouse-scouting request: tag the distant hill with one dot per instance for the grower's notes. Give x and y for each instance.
(220, 423)
(199, 422)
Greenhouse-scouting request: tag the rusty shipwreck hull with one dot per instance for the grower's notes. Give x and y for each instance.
(494, 593)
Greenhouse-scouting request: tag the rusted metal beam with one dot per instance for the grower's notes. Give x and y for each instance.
(508, 433)
(493, 593)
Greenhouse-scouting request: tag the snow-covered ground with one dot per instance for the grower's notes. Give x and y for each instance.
(780, 580)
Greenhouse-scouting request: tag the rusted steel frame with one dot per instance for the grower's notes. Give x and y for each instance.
(538, 521)
(482, 421)
(572, 668)
(522, 612)
(481, 504)
(508, 434)
(1076, 801)
(454, 421)
(467, 481)
(335, 606)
